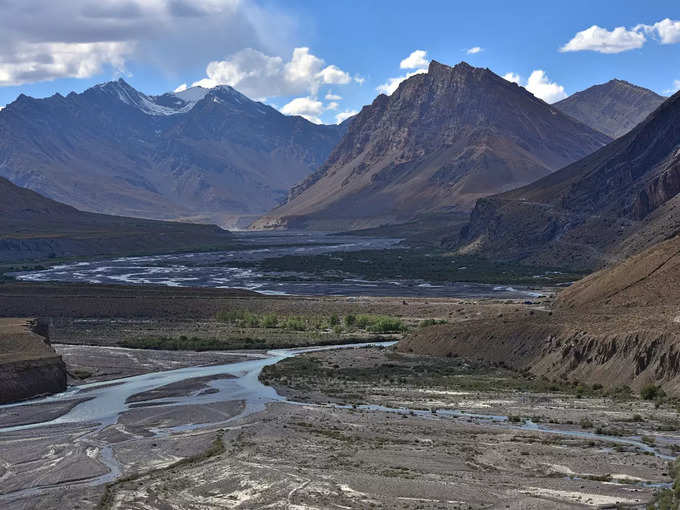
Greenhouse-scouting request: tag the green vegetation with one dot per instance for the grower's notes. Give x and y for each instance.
(184, 343)
(453, 374)
(413, 264)
(652, 392)
(370, 323)
(669, 499)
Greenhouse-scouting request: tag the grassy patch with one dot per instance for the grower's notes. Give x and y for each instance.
(416, 264)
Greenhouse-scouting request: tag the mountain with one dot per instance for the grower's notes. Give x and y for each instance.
(609, 205)
(35, 227)
(614, 108)
(443, 139)
(204, 155)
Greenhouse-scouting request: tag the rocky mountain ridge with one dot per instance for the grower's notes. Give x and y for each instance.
(614, 108)
(440, 141)
(599, 210)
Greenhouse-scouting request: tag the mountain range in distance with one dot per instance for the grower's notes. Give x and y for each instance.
(200, 155)
(611, 204)
(442, 140)
(33, 227)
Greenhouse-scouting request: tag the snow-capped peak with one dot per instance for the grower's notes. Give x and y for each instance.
(192, 95)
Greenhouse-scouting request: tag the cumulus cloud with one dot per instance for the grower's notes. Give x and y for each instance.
(512, 77)
(259, 75)
(416, 60)
(602, 40)
(474, 50)
(306, 107)
(667, 30)
(343, 116)
(30, 62)
(675, 88)
(595, 38)
(333, 74)
(333, 105)
(44, 40)
(359, 79)
(332, 97)
(539, 85)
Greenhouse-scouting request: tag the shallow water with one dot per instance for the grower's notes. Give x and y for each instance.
(218, 270)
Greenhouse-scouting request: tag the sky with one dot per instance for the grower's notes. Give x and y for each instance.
(326, 59)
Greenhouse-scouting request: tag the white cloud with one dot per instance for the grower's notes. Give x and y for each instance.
(181, 88)
(306, 107)
(30, 62)
(540, 86)
(474, 50)
(675, 88)
(342, 116)
(333, 74)
(259, 75)
(332, 105)
(602, 40)
(359, 79)
(513, 77)
(416, 60)
(667, 30)
(44, 40)
(332, 97)
(392, 84)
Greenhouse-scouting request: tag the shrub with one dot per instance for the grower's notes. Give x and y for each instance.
(586, 423)
(652, 392)
(386, 325)
(270, 321)
(350, 320)
(334, 320)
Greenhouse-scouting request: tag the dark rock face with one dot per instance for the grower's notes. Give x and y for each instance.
(439, 142)
(614, 108)
(203, 155)
(35, 227)
(29, 367)
(614, 203)
(22, 380)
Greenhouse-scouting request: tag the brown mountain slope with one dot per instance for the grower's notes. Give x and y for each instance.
(35, 227)
(611, 204)
(618, 326)
(614, 108)
(439, 142)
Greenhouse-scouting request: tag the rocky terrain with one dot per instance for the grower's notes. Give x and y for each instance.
(613, 108)
(29, 366)
(439, 142)
(204, 155)
(611, 204)
(616, 327)
(35, 227)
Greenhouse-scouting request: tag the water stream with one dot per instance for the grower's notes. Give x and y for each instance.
(108, 400)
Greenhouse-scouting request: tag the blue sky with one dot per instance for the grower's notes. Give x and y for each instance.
(300, 55)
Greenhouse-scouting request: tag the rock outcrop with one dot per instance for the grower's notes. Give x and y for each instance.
(29, 367)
